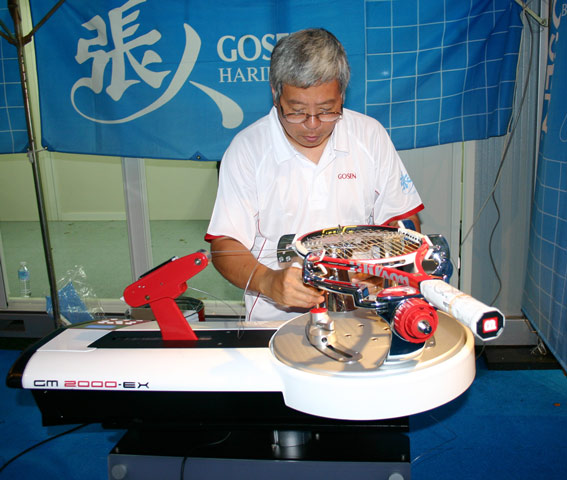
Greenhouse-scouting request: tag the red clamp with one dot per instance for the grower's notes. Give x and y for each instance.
(161, 286)
(415, 320)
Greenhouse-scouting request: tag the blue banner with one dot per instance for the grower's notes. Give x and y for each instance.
(178, 79)
(13, 130)
(545, 291)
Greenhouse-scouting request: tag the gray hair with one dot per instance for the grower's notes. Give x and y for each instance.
(308, 58)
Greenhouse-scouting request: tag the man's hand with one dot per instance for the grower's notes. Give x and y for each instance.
(286, 287)
(412, 218)
(235, 263)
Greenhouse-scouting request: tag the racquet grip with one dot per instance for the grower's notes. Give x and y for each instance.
(485, 322)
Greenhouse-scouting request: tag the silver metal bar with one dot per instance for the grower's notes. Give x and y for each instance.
(14, 8)
(137, 215)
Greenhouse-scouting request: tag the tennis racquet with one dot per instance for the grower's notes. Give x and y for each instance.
(397, 255)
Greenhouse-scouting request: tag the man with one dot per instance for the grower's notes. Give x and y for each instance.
(309, 164)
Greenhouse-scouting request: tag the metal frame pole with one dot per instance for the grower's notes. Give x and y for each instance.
(19, 40)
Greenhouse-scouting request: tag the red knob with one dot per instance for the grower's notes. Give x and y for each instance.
(415, 320)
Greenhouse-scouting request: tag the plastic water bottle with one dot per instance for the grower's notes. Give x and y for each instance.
(24, 278)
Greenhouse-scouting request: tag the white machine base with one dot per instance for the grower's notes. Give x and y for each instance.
(218, 402)
(316, 384)
(115, 355)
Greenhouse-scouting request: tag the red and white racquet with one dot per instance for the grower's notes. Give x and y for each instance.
(397, 255)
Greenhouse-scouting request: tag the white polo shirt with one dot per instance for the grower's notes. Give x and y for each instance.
(268, 189)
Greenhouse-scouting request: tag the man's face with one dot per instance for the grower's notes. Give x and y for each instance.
(313, 100)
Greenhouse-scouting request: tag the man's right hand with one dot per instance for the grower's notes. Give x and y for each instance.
(235, 263)
(286, 287)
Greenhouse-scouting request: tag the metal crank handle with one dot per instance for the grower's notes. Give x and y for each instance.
(485, 322)
(320, 332)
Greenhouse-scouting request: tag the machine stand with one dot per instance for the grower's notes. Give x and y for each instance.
(246, 454)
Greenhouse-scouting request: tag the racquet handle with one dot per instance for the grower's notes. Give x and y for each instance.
(485, 322)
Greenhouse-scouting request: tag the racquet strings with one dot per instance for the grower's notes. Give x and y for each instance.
(364, 244)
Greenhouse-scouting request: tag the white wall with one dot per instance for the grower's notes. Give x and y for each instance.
(436, 173)
(88, 187)
(17, 193)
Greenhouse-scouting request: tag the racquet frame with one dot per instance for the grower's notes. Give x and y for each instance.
(323, 250)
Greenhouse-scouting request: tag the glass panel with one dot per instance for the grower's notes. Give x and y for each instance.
(181, 195)
(84, 199)
(90, 233)
(19, 226)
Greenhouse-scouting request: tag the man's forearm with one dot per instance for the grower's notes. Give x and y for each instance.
(235, 263)
(413, 218)
(416, 222)
(240, 267)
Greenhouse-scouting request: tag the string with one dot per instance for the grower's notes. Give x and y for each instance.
(363, 244)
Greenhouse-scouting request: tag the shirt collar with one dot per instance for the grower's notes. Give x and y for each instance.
(340, 135)
(283, 150)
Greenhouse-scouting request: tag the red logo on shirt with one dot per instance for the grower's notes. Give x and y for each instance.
(346, 176)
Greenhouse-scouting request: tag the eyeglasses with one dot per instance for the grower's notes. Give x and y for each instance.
(326, 117)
